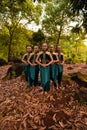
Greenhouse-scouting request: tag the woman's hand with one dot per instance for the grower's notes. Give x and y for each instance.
(44, 65)
(33, 65)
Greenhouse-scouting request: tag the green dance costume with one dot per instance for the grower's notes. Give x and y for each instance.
(60, 69)
(53, 72)
(34, 71)
(27, 69)
(45, 72)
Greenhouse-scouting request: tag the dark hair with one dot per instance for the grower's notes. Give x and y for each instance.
(44, 43)
(36, 45)
(51, 45)
(58, 46)
(28, 46)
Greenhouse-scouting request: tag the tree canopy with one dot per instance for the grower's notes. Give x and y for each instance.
(13, 13)
(61, 22)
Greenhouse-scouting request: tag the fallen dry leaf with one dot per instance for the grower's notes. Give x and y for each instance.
(25, 109)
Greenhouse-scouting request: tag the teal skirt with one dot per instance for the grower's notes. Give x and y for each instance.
(32, 72)
(45, 77)
(27, 73)
(53, 72)
(59, 74)
(59, 69)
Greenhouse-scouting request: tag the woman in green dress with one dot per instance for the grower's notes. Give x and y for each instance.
(60, 66)
(34, 67)
(53, 67)
(26, 65)
(44, 59)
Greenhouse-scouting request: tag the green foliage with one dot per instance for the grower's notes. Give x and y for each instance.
(80, 8)
(22, 37)
(12, 13)
(56, 26)
(56, 18)
(38, 37)
(78, 5)
(73, 47)
(76, 30)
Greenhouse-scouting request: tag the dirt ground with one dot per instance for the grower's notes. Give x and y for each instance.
(24, 109)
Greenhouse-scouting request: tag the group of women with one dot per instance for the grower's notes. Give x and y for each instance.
(48, 63)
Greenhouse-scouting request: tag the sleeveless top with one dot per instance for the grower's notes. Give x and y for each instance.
(54, 56)
(33, 58)
(44, 58)
(60, 56)
(26, 57)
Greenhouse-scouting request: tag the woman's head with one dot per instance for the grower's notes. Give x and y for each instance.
(59, 48)
(29, 49)
(51, 48)
(44, 46)
(36, 48)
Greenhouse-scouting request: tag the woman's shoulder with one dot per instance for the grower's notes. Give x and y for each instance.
(62, 53)
(32, 54)
(40, 53)
(25, 54)
(48, 53)
(54, 53)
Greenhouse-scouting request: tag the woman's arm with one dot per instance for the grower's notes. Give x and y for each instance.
(37, 59)
(50, 58)
(63, 59)
(38, 62)
(29, 62)
(23, 59)
(57, 59)
(61, 62)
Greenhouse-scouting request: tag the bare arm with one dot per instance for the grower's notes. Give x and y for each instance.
(57, 59)
(29, 59)
(23, 59)
(62, 62)
(29, 62)
(63, 59)
(37, 59)
(50, 58)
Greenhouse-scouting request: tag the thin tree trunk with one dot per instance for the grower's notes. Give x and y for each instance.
(60, 31)
(59, 35)
(9, 46)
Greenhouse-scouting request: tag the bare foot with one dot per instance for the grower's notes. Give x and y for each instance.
(45, 93)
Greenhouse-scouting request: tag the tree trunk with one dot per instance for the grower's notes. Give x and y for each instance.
(9, 47)
(59, 34)
(60, 31)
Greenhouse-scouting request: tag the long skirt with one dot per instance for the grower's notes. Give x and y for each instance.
(53, 74)
(45, 77)
(59, 74)
(34, 71)
(27, 73)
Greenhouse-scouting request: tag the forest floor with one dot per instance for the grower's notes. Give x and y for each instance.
(24, 109)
